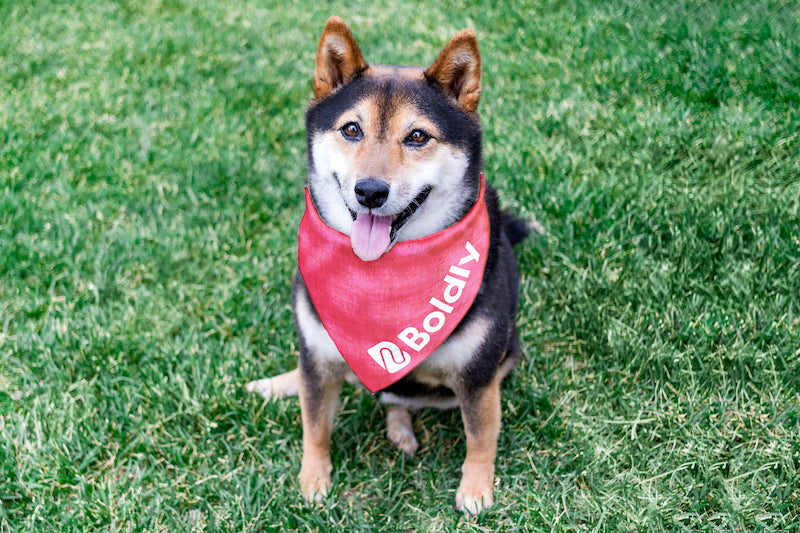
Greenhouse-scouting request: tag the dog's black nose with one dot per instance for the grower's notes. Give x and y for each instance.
(371, 192)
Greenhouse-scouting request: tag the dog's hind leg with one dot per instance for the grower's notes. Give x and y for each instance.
(399, 429)
(281, 386)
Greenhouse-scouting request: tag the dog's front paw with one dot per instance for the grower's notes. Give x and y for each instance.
(474, 494)
(314, 489)
(315, 479)
(473, 500)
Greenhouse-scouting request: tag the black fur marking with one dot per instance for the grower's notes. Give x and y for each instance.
(308, 366)
(408, 387)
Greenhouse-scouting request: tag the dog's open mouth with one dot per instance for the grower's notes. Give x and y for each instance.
(372, 235)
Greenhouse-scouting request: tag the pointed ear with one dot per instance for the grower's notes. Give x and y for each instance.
(338, 58)
(457, 70)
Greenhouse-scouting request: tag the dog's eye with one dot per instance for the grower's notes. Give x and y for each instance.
(417, 138)
(351, 131)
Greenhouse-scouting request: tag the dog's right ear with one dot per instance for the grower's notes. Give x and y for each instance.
(339, 58)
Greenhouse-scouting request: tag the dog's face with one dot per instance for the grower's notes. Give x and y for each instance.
(394, 152)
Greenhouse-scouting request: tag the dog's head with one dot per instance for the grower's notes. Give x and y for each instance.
(394, 153)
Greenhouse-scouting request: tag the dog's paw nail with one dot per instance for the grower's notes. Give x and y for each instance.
(314, 490)
(473, 501)
(404, 441)
(316, 496)
(408, 445)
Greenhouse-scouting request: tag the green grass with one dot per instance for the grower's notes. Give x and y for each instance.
(152, 159)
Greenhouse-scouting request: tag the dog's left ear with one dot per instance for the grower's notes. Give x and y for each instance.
(339, 58)
(457, 70)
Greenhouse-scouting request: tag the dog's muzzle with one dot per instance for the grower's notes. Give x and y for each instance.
(371, 235)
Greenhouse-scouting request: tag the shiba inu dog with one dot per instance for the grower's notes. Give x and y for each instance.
(394, 159)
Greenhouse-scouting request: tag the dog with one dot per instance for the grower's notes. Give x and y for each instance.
(395, 157)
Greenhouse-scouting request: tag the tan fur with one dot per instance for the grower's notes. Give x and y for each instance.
(482, 424)
(396, 71)
(315, 468)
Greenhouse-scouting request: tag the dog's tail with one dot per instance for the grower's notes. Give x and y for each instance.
(517, 229)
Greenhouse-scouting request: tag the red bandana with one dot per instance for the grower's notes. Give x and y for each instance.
(386, 316)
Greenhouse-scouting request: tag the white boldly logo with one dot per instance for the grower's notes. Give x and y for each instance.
(389, 356)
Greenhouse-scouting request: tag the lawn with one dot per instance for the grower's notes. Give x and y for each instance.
(152, 158)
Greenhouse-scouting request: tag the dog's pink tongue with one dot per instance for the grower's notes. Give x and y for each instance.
(370, 236)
